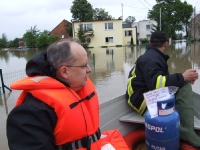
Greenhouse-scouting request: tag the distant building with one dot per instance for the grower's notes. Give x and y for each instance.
(144, 28)
(21, 42)
(60, 29)
(105, 33)
(194, 27)
(127, 32)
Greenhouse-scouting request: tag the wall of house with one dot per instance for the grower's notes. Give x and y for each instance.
(142, 29)
(100, 33)
(127, 39)
(60, 30)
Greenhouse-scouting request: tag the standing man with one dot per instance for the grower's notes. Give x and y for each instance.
(151, 72)
(58, 108)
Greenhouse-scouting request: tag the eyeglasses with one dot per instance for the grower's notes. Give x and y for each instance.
(84, 66)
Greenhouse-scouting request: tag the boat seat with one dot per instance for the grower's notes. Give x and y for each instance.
(134, 117)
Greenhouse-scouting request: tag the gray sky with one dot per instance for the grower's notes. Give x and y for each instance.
(17, 16)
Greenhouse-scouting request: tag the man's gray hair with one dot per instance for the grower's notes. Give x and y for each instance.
(59, 53)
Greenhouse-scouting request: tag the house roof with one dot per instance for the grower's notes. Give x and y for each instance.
(59, 24)
(98, 20)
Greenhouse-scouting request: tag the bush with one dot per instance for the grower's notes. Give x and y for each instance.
(118, 45)
(131, 41)
(104, 46)
(143, 40)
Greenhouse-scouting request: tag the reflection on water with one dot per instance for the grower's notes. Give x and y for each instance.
(110, 69)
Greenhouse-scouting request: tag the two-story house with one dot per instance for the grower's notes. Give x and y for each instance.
(144, 28)
(105, 33)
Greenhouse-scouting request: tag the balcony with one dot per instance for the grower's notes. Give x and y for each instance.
(89, 32)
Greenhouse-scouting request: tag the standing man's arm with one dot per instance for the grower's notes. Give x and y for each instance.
(155, 76)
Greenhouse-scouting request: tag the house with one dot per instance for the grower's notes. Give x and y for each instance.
(194, 28)
(60, 29)
(144, 28)
(21, 42)
(105, 33)
(127, 32)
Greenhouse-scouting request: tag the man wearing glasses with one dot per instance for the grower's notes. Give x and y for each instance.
(58, 108)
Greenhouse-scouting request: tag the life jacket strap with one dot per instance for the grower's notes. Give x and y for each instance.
(83, 142)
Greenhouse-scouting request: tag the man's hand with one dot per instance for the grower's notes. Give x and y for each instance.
(190, 75)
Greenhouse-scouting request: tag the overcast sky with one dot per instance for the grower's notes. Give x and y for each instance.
(17, 16)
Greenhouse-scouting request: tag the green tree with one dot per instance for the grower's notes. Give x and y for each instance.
(101, 12)
(69, 30)
(31, 36)
(171, 14)
(129, 19)
(81, 38)
(132, 41)
(3, 41)
(42, 41)
(82, 10)
(45, 32)
(14, 43)
(52, 39)
(186, 11)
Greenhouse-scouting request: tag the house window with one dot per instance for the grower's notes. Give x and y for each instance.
(148, 36)
(148, 27)
(109, 51)
(109, 39)
(87, 27)
(88, 40)
(109, 26)
(128, 32)
(63, 36)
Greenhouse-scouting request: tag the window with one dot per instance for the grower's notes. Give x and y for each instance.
(63, 36)
(109, 52)
(109, 39)
(148, 27)
(128, 33)
(109, 26)
(148, 36)
(87, 27)
(88, 40)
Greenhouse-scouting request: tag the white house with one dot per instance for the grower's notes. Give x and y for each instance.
(144, 28)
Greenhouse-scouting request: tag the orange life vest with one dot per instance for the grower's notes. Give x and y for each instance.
(81, 108)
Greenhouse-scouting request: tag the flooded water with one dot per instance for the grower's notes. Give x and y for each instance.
(110, 68)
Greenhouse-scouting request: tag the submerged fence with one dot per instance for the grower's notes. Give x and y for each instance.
(7, 78)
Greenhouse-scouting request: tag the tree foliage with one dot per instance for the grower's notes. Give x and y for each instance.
(101, 12)
(45, 32)
(130, 19)
(3, 41)
(82, 10)
(44, 40)
(81, 38)
(174, 15)
(31, 36)
(69, 30)
(13, 43)
(131, 41)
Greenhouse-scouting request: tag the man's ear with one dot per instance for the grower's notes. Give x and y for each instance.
(63, 72)
(165, 44)
(149, 43)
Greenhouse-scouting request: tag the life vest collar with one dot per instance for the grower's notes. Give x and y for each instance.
(86, 98)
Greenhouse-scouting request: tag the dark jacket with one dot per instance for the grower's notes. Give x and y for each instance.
(30, 126)
(149, 66)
